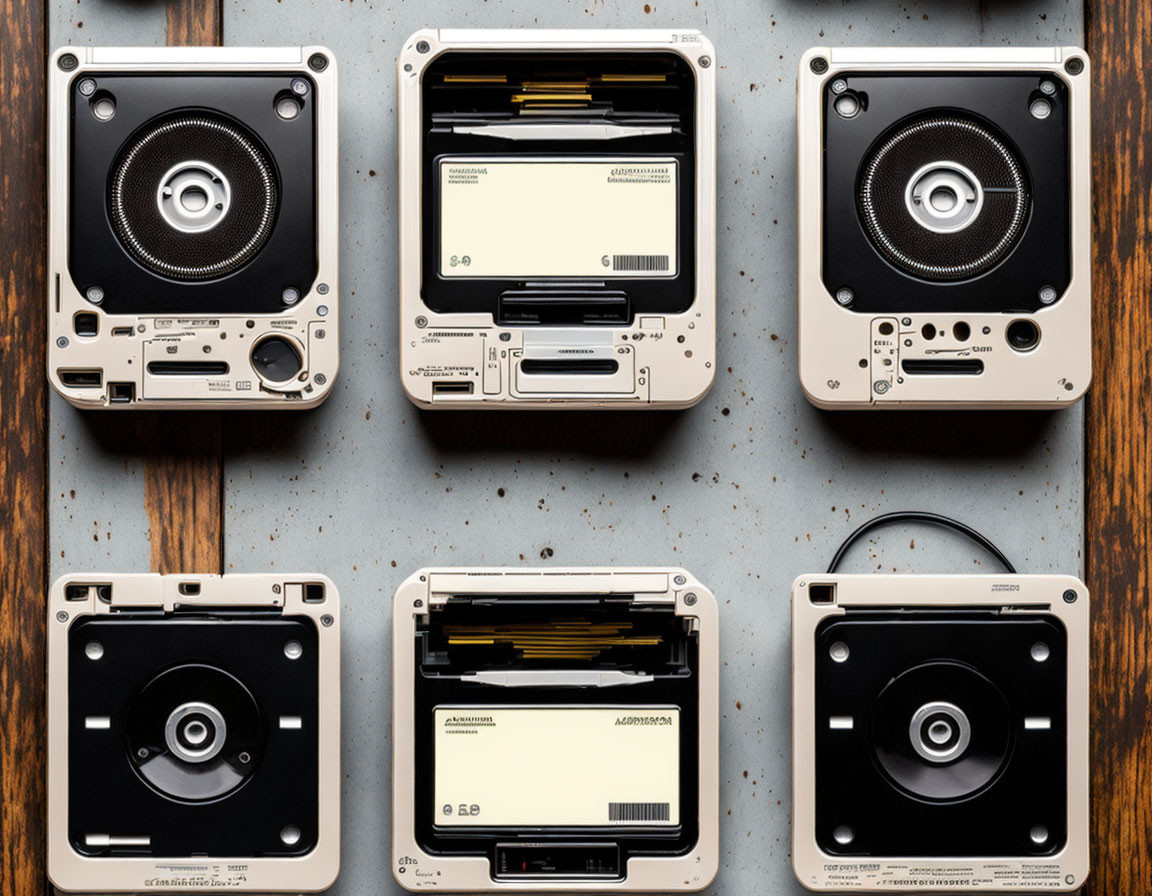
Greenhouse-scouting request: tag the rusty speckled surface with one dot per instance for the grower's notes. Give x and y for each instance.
(749, 489)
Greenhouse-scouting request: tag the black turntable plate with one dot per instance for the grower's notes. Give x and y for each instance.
(957, 741)
(192, 756)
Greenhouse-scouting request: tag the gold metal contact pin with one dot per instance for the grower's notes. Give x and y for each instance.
(555, 97)
(475, 79)
(637, 78)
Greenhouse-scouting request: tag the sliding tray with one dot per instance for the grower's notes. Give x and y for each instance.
(554, 731)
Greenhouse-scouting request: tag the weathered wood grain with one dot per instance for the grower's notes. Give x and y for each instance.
(1118, 448)
(184, 461)
(197, 23)
(184, 491)
(23, 446)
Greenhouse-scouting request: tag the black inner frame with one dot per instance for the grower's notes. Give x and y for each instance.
(675, 664)
(670, 102)
(106, 795)
(1042, 257)
(96, 256)
(852, 788)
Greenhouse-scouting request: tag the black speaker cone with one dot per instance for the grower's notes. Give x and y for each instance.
(943, 197)
(193, 196)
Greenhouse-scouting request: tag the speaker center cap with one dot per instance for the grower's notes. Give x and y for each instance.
(944, 197)
(193, 196)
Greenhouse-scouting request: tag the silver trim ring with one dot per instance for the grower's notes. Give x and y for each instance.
(199, 743)
(931, 744)
(957, 271)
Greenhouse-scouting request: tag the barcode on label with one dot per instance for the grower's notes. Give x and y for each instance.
(630, 813)
(639, 262)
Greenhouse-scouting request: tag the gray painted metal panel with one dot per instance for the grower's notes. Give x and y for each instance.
(747, 490)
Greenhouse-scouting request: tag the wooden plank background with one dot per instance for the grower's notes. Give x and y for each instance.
(1118, 448)
(23, 446)
(184, 474)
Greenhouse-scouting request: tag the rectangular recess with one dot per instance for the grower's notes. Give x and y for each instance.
(187, 368)
(822, 592)
(942, 366)
(91, 378)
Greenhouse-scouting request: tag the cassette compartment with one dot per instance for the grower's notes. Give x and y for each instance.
(544, 121)
(490, 657)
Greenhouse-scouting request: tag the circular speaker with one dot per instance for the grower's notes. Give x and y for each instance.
(194, 733)
(941, 731)
(943, 198)
(193, 196)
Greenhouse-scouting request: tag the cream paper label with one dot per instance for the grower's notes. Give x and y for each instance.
(558, 218)
(557, 766)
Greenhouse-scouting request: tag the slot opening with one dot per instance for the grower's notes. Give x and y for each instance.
(189, 589)
(453, 387)
(187, 368)
(569, 367)
(121, 331)
(942, 366)
(92, 378)
(313, 593)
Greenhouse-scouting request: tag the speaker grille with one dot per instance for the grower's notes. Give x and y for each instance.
(943, 149)
(193, 197)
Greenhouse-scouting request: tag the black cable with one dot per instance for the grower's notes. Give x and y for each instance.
(919, 516)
